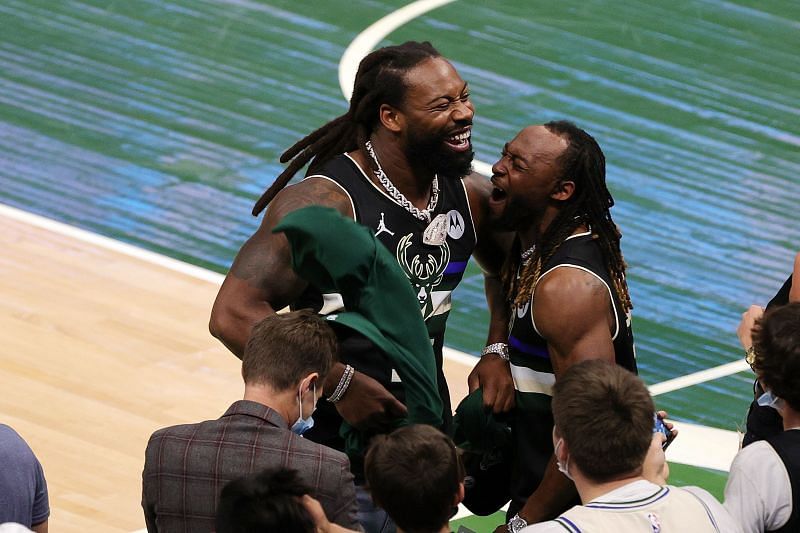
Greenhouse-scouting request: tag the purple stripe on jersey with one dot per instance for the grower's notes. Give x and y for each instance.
(569, 522)
(633, 504)
(455, 267)
(530, 349)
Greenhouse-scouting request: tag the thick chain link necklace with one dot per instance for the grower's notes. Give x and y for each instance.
(422, 214)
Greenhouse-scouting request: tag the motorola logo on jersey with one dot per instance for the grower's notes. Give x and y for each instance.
(455, 224)
(425, 270)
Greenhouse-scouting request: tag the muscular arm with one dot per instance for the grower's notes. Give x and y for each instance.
(491, 373)
(573, 312)
(261, 280)
(490, 254)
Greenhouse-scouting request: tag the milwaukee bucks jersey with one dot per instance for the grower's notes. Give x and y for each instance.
(531, 365)
(532, 369)
(433, 271)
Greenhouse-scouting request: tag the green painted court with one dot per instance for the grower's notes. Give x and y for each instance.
(158, 123)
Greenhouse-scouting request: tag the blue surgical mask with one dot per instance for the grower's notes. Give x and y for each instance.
(304, 424)
(770, 400)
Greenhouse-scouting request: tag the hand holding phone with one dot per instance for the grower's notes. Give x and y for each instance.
(660, 427)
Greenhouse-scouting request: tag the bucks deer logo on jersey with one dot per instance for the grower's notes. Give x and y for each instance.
(425, 270)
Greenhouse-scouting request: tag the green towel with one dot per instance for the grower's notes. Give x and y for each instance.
(336, 254)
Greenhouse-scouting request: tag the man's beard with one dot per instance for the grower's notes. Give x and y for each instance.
(516, 216)
(433, 152)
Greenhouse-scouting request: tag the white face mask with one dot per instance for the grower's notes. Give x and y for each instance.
(770, 400)
(564, 469)
(304, 424)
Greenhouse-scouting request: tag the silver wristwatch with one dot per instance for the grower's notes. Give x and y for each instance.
(500, 348)
(516, 524)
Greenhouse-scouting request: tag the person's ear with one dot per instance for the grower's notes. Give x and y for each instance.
(794, 289)
(563, 190)
(459, 494)
(391, 118)
(309, 382)
(563, 449)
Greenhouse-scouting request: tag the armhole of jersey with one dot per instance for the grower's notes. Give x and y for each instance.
(469, 210)
(575, 235)
(708, 511)
(610, 295)
(352, 204)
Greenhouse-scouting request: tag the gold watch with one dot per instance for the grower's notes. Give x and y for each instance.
(750, 356)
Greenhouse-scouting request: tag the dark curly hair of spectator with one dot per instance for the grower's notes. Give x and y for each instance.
(776, 340)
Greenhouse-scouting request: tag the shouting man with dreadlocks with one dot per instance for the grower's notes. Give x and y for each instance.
(565, 280)
(395, 162)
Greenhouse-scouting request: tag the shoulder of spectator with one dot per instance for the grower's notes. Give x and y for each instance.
(701, 493)
(757, 457)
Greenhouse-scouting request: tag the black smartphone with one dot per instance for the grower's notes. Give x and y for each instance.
(661, 427)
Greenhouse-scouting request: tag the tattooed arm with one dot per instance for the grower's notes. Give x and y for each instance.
(261, 280)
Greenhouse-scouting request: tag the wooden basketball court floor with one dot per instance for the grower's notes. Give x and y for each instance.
(102, 344)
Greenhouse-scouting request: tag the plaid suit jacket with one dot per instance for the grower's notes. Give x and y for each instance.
(186, 467)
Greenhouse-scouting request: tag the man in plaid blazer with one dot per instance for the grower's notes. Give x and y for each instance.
(284, 365)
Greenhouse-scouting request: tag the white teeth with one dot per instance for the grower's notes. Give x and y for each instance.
(461, 137)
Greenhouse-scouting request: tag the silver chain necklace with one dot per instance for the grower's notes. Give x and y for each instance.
(422, 214)
(527, 254)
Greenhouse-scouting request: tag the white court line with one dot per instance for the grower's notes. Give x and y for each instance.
(110, 244)
(699, 377)
(373, 34)
(370, 37)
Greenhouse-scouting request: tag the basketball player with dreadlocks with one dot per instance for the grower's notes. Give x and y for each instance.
(565, 281)
(396, 162)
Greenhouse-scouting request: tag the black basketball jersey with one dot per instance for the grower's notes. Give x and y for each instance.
(433, 271)
(528, 349)
(787, 445)
(532, 369)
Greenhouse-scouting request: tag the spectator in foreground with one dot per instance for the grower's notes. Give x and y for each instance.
(764, 422)
(763, 488)
(23, 489)
(268, 501)
(604, 442)
(284, 364)
(415, 474)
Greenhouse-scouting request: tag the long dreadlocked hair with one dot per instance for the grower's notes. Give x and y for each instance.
(584, 163)
(379, 80)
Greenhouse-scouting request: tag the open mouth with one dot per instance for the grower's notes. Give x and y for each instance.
(498, 193)
(459, 142)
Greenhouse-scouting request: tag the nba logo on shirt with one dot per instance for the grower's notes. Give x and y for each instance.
(655, 523)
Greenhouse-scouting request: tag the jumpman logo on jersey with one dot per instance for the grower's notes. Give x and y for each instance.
(382, 228)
